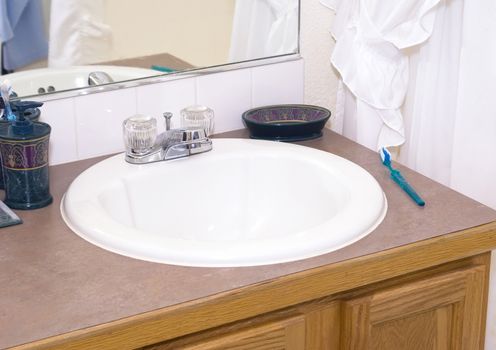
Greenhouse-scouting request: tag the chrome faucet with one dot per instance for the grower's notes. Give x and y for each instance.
(99, 78)
(144, 146)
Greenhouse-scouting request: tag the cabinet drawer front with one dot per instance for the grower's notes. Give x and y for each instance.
(287, 334)
(440, 312)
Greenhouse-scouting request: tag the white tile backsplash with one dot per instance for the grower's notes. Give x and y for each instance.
(60, 115)
(99, 120)
(91, 125)
(154, 100)
(278, 83)
(228, 94)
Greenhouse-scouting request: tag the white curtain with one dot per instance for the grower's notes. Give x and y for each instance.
(440, 73)
(474, 140)
(442, 64)
(449, 106)
(372, 38)
(78, 34)
(430, 108)
(263, 28)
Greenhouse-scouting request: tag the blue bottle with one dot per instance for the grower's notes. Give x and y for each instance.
(30, 110)
(24, 151)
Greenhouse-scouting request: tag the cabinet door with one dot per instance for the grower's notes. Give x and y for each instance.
(287, 334)
(442, 312)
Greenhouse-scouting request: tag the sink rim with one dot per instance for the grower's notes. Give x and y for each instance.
(234, 247)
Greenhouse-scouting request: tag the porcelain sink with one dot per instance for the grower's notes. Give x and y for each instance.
(245, 203)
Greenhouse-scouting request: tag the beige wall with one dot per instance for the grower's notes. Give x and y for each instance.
(184, 28)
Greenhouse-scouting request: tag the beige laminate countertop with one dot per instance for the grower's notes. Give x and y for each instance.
(53, 282)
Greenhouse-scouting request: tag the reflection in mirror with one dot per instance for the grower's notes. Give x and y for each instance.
(55, 45)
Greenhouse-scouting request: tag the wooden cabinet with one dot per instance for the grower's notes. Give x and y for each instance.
(440, 312)
(442, 308)
(286, 334)
(407, 298)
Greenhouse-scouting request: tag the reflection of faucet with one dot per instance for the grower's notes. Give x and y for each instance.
(144, 146)
(99, 78)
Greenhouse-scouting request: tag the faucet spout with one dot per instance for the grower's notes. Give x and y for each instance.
(171, 144)
(99, 78)
(186, 142)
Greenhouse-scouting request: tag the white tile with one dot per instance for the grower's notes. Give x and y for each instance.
(89, 126)
(99, 120)
(60, 115)
(228, 94)
(278, 83)
(171, 96)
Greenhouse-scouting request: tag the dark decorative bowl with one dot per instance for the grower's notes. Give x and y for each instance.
(286, 122)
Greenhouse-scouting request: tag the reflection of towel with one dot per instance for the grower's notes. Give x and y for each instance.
(283, 36)
(263, 28)
(77, 33)
(22, 33)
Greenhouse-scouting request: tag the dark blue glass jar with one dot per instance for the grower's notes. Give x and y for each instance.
(32, 114)
(24, 151)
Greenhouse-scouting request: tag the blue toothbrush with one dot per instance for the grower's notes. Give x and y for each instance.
(163, 69)
(5, 91)
(399, 179)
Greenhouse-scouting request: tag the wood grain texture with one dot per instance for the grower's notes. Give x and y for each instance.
(160, 325)
(412, 333)
(288, 334)
(415, 297)
(322, 322)
(323, 327)
(439, 312)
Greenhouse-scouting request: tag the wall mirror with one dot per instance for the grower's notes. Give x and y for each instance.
(53, 46)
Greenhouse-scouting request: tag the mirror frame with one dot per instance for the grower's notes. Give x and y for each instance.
(156, 79)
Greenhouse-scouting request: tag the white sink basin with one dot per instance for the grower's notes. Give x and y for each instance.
(244, 203)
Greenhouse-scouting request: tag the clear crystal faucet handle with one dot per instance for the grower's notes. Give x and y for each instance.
(140, 133)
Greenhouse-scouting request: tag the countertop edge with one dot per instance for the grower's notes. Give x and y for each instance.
(242, 303)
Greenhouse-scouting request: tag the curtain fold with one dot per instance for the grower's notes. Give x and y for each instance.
(473, 169)
(369, 55)
(430, 109)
